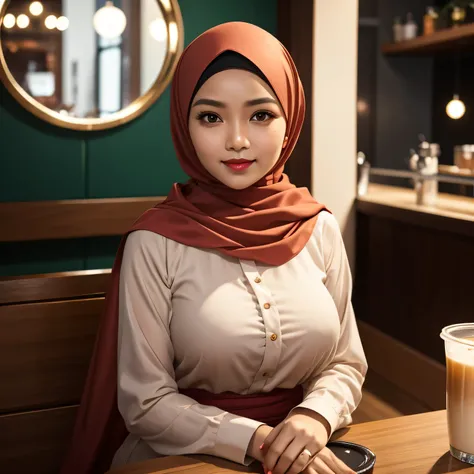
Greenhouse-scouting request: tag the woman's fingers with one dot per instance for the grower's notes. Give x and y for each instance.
(320, 467)
(293, 460)
(272, 437)
(331, 460)
(310, 470)
(276, 449)
(304, 458)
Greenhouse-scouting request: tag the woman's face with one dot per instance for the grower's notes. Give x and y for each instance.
(237, 127)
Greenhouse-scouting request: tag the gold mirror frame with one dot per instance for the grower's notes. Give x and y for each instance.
(174, 23)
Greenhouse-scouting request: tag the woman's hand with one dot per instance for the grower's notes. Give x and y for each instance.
(284, 448)
(326, 462)
(257, 440)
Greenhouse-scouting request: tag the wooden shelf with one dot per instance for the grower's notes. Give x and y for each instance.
(441, 41)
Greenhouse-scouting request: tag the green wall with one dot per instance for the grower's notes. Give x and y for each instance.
(41, 162)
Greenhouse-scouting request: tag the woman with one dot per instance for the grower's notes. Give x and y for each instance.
(232, 299)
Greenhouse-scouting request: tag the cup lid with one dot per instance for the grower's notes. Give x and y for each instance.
(458, 333)
(359, 458)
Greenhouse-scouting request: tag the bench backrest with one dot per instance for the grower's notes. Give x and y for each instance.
(48, 325)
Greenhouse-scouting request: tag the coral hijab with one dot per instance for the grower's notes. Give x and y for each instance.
(269, 222)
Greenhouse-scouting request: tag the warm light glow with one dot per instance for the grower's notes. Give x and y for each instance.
(36, 8)
(362, 106)
(62, 24)
(166, 5)
(109, 21)
(22, 21)
(173, 29)
(455, 108)
(50, 22)
(9, 20)
(158, 29)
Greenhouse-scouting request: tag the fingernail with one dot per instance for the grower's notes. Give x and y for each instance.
(261, 446)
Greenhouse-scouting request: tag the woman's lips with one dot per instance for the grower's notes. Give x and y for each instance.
(238, 164)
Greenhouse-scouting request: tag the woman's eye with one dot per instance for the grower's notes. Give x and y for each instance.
(209, 118)
(262, 116)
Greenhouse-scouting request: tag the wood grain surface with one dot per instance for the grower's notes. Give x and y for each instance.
(71, 218)
(416, 444)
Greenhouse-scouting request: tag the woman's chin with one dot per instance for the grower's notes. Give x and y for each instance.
(239, 181)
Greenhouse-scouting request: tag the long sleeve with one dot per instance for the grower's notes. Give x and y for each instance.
(148, 397)
(336, 391)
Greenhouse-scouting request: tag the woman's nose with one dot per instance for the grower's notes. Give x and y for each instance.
(237, 139)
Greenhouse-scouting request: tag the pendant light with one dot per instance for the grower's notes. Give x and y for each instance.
(22, 21)
(109, 21)
(158, 30)
(455, 108)
(36, 8)
(63, 23)
(9, 21)
(50, 22)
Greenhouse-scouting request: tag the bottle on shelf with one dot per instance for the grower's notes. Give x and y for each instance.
(458, 16)
(398, 30)
(410, 28)
(429, 21)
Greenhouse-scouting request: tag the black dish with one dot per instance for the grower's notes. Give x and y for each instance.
(357, 457)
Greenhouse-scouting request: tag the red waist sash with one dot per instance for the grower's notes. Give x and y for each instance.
(270, 408)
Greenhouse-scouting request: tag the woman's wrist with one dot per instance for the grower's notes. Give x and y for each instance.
(257, 440)
(316, 416)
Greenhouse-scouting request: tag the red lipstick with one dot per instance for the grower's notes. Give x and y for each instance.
(238, 164)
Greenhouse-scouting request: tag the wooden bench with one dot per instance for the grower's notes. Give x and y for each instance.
(48, 325)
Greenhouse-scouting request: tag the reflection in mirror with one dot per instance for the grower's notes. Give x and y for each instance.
(84, 58)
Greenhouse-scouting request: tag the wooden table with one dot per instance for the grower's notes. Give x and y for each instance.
(416, 444)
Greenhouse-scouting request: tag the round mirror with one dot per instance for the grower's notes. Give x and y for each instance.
(88, 64)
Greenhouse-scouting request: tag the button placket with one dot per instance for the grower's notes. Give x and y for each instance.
(271, 319)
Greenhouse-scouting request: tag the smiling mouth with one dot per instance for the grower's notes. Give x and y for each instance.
(238, 164)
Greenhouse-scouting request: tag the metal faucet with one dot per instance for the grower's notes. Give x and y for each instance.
(425, 163)
(363, 167)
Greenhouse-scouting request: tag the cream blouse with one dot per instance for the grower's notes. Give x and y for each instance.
(194, 318)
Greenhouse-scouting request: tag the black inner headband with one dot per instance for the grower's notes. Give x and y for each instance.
(228, 60)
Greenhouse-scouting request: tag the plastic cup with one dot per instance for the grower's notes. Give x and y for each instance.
(459, 348)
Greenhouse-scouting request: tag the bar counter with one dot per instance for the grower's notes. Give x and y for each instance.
(414, 267)
(451, 212)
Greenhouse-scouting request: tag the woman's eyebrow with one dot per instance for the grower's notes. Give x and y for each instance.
(211, 102)
(262, 100)
(249, 103)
